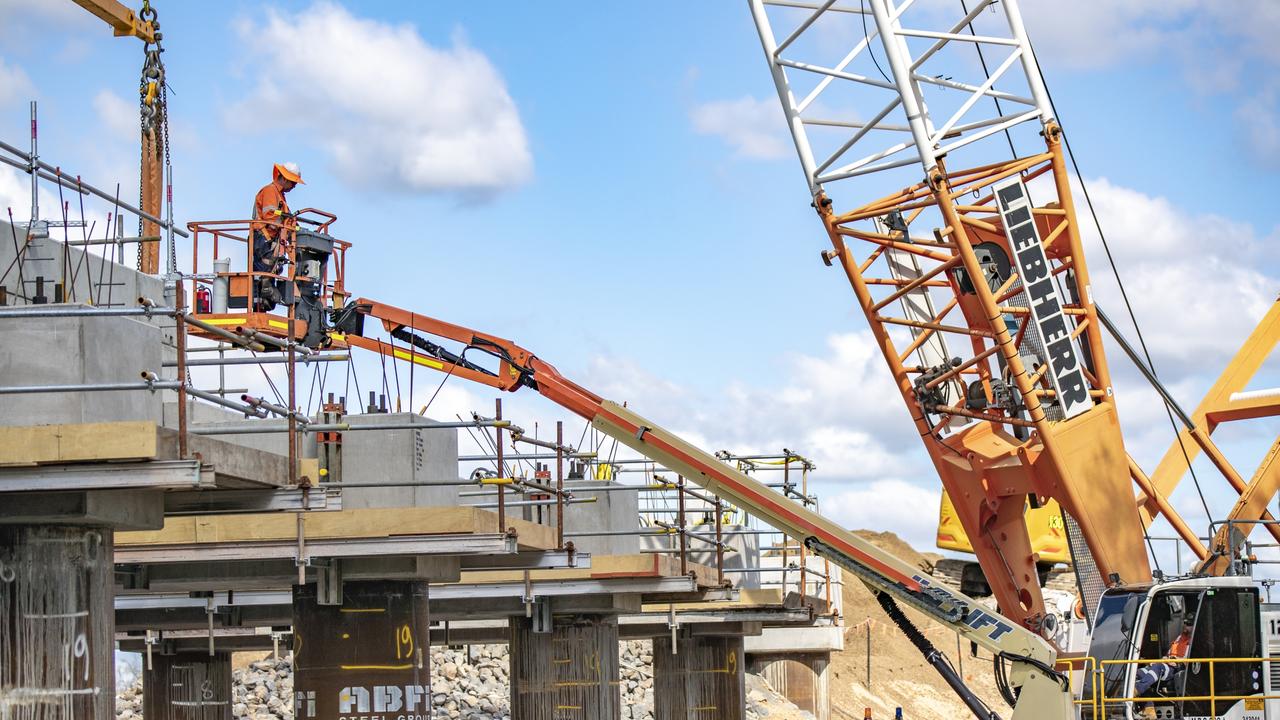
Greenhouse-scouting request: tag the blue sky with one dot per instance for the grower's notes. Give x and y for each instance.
(625, 210)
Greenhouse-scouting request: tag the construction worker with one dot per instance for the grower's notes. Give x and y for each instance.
(1150, 675)
(271, 222)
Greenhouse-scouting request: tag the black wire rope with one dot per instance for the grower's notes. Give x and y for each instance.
(1110, 260)
(866, 35)
(987, 73)
(1123, 294)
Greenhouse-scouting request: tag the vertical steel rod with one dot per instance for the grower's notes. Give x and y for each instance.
(560, 484)
(292, 368)
(35, 180)
(684, 554)
(786, 541)
(826, 568)
(719, 541)
(180, 342)
(804, 558)
(502, 495)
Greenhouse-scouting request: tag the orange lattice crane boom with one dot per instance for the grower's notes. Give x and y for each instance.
(975, 288)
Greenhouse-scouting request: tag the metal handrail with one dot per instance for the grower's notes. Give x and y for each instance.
(1101, 700)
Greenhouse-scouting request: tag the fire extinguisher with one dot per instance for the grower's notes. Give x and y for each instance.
(204, 300)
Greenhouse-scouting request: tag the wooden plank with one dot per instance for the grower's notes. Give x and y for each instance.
(78, 442)
(355, 523)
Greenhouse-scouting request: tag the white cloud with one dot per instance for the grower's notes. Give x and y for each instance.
(15, 193)
(1097, 33)
(906, 509)
(15, 86)
(29, 25)
(116, 115)
(1223, 48)
(390, 110)
(753, 128)
(1259, 119)
(1198, 282)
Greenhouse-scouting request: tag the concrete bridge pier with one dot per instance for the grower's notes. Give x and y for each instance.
(568, 671)
(701, 680)
(57, 630)
(796, 663)
(800, 677)
(187, 686)
(367, 656)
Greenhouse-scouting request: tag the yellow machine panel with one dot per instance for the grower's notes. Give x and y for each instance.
(1044, 525)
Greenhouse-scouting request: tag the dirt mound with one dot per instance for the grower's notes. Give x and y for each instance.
(891, 543)
(899, 675)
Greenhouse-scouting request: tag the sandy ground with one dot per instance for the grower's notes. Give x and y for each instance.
(899, 675)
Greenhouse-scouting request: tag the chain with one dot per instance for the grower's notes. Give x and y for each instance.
(152, 104)
(168, 173)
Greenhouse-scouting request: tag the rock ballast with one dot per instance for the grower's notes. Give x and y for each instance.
(465, 685)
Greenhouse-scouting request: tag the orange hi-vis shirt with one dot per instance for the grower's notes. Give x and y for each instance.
(267, 205)
(1180, 646)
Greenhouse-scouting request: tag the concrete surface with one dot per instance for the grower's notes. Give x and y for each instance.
(78, 350)
(425, 458)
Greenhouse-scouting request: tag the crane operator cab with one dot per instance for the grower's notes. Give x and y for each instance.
(303, 284)
(1183, 649)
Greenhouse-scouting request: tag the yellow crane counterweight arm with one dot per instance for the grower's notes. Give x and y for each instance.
(123, 21)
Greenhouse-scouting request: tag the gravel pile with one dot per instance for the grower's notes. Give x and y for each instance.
(464, 686)
(129, 701)
(263, 690)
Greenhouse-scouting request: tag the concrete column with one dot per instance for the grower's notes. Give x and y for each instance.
(365, 657)
(569, 673)
(800, 677)
(187, 686)
(702, 680)
(57, 623)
